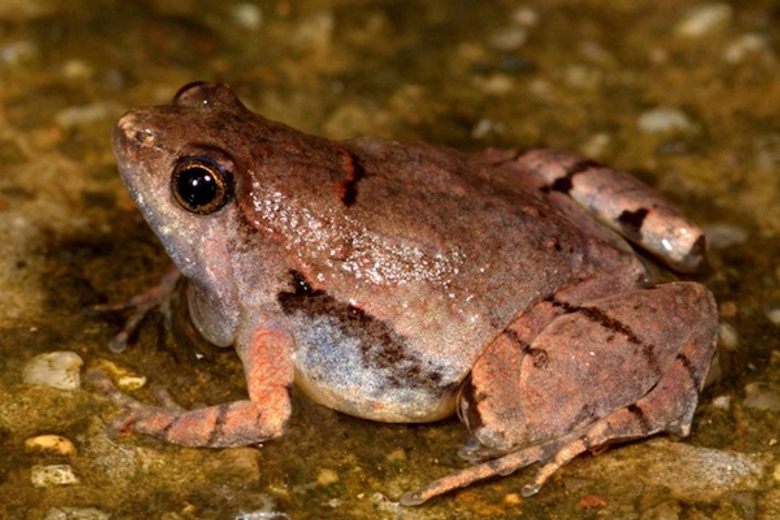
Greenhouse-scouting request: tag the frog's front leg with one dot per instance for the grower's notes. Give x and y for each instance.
(616, 368)
(267, 359)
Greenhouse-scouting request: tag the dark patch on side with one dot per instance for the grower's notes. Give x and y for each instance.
(640, 416)
(219, 423)
(473, 418)
(691, 370)
(354, 173)
(630, 222)
(648, 351)
(380, 345)
(564, 184)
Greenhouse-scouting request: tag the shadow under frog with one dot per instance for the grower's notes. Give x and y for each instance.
(406, 282)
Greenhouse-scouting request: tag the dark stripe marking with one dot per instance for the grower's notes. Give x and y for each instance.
(691, 370)
(219, 423)
(541, 359)
(630, 222)
(354, 173)
(600, 317)
(564, 184)
(167, 430)
(640, 416)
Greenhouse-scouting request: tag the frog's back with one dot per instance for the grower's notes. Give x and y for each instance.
(433, 259)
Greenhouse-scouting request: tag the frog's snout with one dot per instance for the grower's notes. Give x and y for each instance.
(130, 131)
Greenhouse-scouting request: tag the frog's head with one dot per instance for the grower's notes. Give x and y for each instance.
(176, 163)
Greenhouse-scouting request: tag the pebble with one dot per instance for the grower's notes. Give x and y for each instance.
(15, 53)
(512, 499)
(705, 18)
(75, 513)
(526, 16)
(60, 369)
(50, 442)
(248, 16)
(743, 46)
(326, 477)
(729, 339)
(52, 475)
(773, 315)
(664, 119)
(131, 382)
(722, 402)
(486, 128)
(762, 396)
(508, 39)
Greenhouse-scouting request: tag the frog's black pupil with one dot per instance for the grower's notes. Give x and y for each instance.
(196, 186)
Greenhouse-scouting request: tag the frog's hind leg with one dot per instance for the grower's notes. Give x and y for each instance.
(621, 202)
(607, 370)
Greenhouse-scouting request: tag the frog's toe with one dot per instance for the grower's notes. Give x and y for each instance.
(474, 451)
(157, 296)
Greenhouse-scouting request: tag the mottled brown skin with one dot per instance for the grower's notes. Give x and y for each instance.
(402, 282)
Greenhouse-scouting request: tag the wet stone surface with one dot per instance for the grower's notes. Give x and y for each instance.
(683, 94)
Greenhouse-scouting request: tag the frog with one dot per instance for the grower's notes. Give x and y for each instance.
(406, 282)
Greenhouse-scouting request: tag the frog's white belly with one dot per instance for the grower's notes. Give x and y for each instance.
(367, 371)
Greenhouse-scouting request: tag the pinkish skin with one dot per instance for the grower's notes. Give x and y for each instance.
(402, 282)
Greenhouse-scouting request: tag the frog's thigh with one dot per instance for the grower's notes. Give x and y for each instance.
(596, 358)
(268, 368)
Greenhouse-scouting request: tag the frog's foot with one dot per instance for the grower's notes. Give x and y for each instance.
(269, 372)
(140, 305)
(623, 203)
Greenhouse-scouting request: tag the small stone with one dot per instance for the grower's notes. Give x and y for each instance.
(248, 16)
(53, 443)
(486, 128)
(75, 513)
(15, 53)
(60, 369)
(722, 402)
(508, 39)
(664, 119)
(512, 499)
(729, 339)
(773, 315)
(326, 477)
(596, 145)
(53, 475)
(743, 46)
(76, 69)
(131, 382)
(527, 16)
(397, 455)
(591, 502)
(762, 396)
(704, 19)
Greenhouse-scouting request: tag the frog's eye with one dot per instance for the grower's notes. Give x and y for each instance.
(200, 185)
